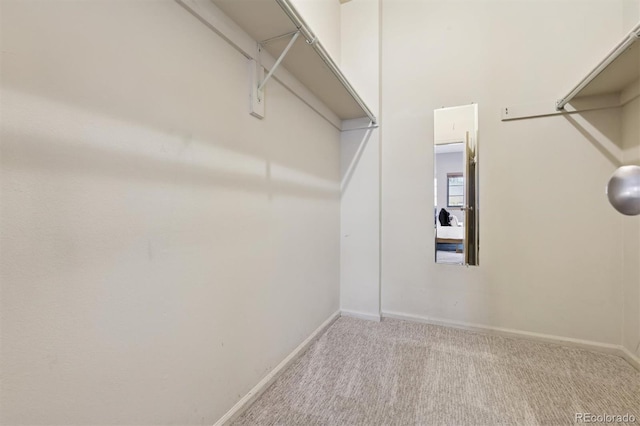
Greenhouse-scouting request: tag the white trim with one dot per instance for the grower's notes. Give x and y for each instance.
(630, 357)
(606, 348)
(360, 315)
(246, 401)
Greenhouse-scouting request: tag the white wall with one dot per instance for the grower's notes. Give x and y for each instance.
(360, 48)
(550, 257)
(445, 163)
(630, 14)
(162, 250)
(451, 124)
(631, 155)
(360, 154)
(631, 242)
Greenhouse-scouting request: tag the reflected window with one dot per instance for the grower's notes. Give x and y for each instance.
(455, 190)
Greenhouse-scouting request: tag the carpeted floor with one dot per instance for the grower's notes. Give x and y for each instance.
(404, 373)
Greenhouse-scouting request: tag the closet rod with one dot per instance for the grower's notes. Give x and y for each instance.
(630, 38)
(320, 50)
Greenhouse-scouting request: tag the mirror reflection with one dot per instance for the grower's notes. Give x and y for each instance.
(455, 185)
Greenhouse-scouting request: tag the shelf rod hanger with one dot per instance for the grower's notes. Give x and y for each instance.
(282, 55)
(631, 38)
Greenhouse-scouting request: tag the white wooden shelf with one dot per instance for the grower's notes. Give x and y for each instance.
(616, 74)
(272, 23)
(612, 83)
(617, 77)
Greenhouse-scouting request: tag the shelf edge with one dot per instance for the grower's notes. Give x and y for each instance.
(631, 38)
(300, 23)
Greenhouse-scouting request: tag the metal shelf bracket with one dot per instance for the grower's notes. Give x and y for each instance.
(280, 58)
(258, 80)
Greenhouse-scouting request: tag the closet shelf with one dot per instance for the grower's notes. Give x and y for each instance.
(307, 60)
(614, 75)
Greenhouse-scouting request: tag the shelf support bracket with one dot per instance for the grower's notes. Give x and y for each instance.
(258, 80)
(282, 55)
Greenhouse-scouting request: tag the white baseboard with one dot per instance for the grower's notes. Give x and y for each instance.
(360, 315)
(607, 348)
(246, 401)
(630, 357)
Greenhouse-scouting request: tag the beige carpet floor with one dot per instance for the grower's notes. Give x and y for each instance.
(404, 373)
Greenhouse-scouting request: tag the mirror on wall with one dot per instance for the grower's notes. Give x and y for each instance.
(455, 185)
